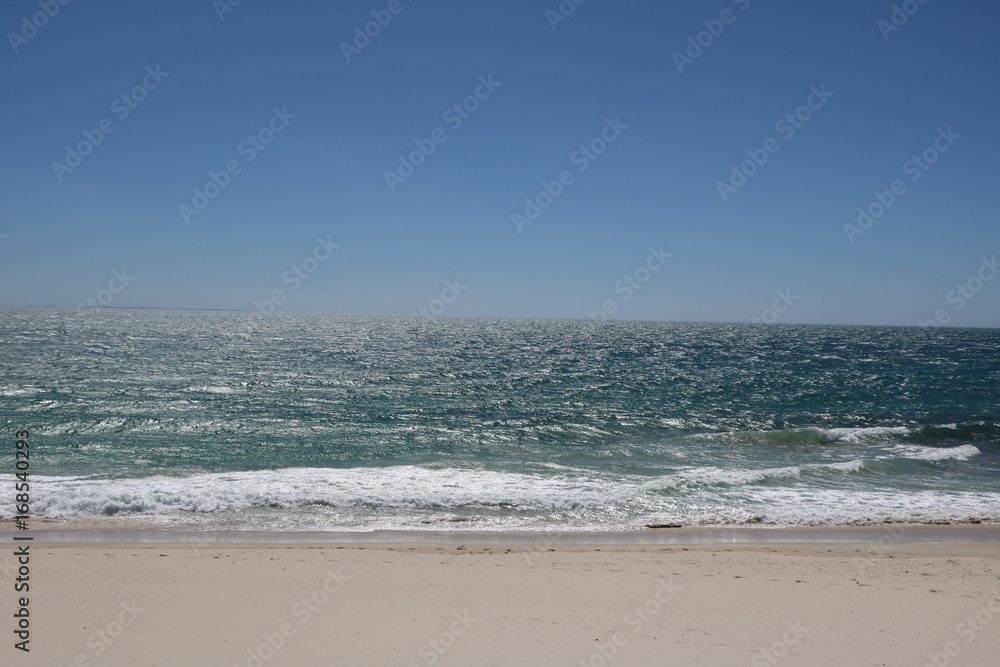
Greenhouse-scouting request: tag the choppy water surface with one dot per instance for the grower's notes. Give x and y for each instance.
(334, 422)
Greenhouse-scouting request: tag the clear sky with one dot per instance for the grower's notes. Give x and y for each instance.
(688, 160)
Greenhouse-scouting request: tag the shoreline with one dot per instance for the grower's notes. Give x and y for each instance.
(882, 534)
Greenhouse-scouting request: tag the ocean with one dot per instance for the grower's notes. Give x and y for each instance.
(234, 420)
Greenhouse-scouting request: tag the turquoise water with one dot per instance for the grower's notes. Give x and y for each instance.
(228, 419)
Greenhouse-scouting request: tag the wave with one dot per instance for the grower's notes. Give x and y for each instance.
(857, 435)
(715, 494)
(907, 458)
(211, 389)
(960, 453)
(745, 476)
(785, 506)
(21, 391)
(969, 431)
(823, 436)
(393, 487)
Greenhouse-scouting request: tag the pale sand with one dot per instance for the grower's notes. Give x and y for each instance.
(705, 604)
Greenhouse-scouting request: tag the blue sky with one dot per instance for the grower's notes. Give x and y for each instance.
(639, 230)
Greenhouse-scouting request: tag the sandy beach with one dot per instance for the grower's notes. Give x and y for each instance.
(893, 602)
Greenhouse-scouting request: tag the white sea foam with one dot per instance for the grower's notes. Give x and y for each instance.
(20, 391)
(863, 434)
(419, 497)
(845, 466)
(394, 487)
(959, 453)
(744, 476)
(211, 389)
(812, 505)
(733, 476)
